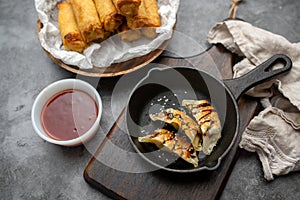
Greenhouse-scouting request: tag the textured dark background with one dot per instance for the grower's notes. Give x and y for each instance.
(33, 169)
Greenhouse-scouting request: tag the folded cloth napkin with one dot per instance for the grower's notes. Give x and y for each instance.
(275, 133)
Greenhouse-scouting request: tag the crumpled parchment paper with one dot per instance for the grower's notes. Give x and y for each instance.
(113, 49)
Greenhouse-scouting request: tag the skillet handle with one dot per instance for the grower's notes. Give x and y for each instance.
(258, 75)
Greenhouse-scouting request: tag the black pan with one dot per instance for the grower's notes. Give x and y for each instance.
(167, 87)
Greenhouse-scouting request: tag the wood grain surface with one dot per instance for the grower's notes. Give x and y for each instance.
(161, 184)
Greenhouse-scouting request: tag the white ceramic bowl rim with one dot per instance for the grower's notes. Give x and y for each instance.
(35, 116)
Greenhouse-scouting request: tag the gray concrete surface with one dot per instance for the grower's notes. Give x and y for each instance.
(31, 168)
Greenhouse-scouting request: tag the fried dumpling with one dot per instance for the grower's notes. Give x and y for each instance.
(174, 143)
(179, 119)
(208, 120)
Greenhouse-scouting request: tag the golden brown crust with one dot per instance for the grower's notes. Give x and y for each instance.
(112, 22)
(152, 13)
(208, 121)
(181, 120)
(109, 17)
(174, 143)
(96, 20)
(87, 19)
(147, 17)
(70, 34)
(127, 8)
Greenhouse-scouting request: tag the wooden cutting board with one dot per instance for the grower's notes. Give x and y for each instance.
(161, 184)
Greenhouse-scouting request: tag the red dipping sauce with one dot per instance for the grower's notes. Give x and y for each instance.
(69, 114)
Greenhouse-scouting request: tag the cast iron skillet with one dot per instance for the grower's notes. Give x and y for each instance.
(167, 87)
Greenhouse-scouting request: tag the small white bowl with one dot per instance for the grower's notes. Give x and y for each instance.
(49, 92)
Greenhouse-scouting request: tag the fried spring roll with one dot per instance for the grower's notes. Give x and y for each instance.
(127, 34)
(107, 34)
(69, 31)
(109, 17)
(127, 7)
(147, 17)
(87, 19)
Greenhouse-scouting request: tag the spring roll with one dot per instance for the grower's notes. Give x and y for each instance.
(70, 34)
(127, 34)
(127, 7)
(87, 19)
(107, 34)
(147, 17)
(109, 17)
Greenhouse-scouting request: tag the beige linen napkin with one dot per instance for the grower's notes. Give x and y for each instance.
(275, 133)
